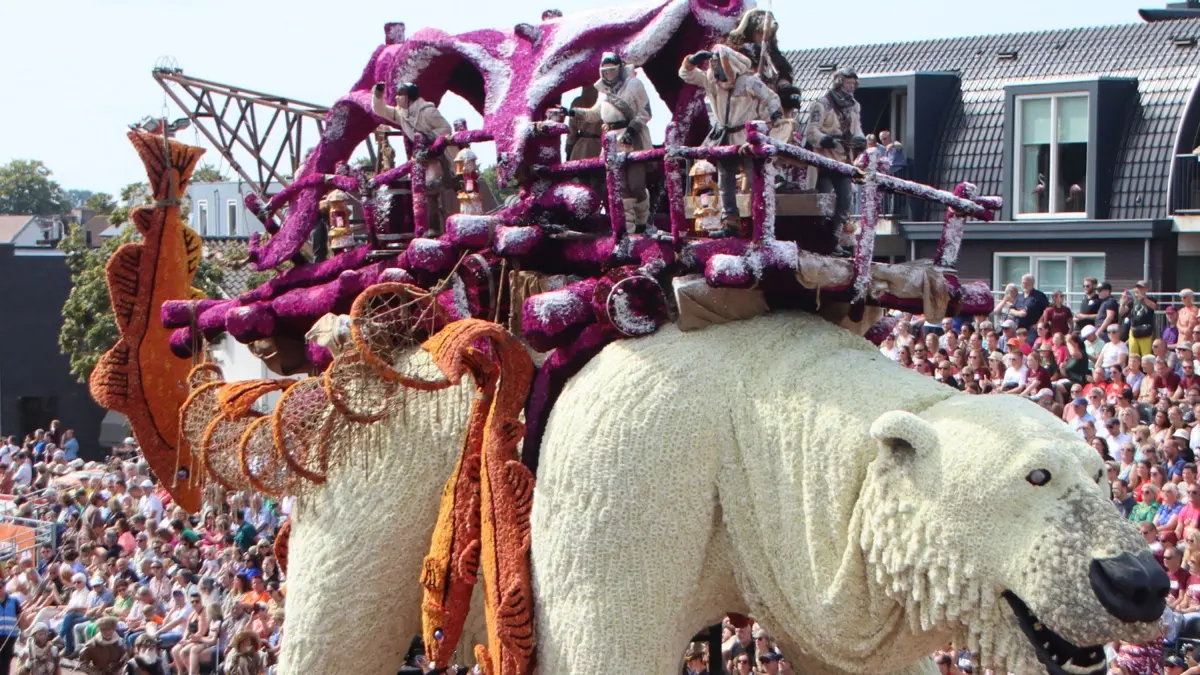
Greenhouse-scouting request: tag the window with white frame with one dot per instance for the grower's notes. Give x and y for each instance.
(1051, 271)
(1051, 154)
(231, 211)
(202, 217)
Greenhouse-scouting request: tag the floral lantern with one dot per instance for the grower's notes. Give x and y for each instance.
(466, 167)
(338, 203)
(706, 197)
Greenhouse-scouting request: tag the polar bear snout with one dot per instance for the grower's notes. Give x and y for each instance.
(1131, 587)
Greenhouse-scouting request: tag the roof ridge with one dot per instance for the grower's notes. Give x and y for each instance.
(996, 36)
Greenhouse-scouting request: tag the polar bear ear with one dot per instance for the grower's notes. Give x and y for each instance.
(903, 433)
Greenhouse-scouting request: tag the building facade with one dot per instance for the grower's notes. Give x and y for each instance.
(1089, 134)
(36, 384)
(219, 209)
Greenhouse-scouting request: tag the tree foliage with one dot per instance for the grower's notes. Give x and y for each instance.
(132, 195)
(78, 198)
(88, 328)
(26, 187)
(488, 176)
(101, 202)
(207, 173)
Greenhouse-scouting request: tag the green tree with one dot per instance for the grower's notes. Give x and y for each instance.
(207, 173)
(26, 187)
(101, 202)
(88, 328)
(132, 195)
(488, 176)
(79, 198)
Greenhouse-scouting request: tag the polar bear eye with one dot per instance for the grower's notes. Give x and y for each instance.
(1099, 475)
(1038, 477)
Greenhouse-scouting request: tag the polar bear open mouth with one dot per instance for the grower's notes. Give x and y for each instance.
(1060, 656)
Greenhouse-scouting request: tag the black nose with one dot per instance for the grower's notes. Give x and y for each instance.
(1131, 587)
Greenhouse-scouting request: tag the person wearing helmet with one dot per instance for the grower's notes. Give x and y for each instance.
(146, 658)
(417, 117)
(41, 652)
(623, 105)
(105, 653)
(835, 131)
(734, 96)
(756, 37)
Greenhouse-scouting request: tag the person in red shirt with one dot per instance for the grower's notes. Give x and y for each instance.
(1061, 352)
(978, 363)
(1189, 379)
(1165, 380)
(1057, 316)
(1172, 560)
(1189, 517)
(1116, 384)
(1043, 336)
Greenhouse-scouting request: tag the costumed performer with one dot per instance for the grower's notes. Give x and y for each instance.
(756, 37)
(735, 96)
(105, 653)
(245, 656)
(41, 654)
(146, 658)
(417, 117)
(623, 104)
(835, 130)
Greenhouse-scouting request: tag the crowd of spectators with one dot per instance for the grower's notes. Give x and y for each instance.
(134, 584)
(1121, 370)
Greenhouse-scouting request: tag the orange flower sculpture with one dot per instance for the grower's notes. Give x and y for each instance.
(484, 522)
(140, 377)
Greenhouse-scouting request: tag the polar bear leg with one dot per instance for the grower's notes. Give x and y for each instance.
(621, 525)
(814, 667)
(358, 541)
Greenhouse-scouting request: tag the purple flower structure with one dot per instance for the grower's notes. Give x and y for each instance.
(952, 229)
(522, 73)
(553, 226)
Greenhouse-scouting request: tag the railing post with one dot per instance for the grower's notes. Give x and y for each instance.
(615, 181)
(417, 179)
(869, 203)
(676, 175)
(762, 196)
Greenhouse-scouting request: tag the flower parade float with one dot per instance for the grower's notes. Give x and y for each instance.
(650, 378)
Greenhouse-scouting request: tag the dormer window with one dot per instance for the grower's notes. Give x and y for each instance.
(1052, 154)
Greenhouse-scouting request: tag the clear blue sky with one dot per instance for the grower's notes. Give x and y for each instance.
(74, 73)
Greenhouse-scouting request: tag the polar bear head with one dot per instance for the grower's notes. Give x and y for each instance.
(985, 517)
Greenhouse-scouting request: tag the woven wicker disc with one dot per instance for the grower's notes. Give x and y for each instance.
(296, 427)
(261, 461)
(200, 408)
(220, 450)
(390, 320)
(356, 389)
(204, 373)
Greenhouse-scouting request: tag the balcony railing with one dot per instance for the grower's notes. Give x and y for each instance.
(1185, 185)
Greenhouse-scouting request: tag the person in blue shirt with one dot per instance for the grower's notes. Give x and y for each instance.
(1174, 462)
(10, 629)
(70, 445)
(1030, 305)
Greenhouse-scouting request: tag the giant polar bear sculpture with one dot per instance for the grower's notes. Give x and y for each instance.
(780, 467)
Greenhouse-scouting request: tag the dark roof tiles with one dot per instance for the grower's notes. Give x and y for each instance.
(971, 140)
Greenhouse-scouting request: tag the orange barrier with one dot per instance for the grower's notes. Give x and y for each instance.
(16, 538)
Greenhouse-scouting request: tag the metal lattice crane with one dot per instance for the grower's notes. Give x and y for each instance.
(255, 132)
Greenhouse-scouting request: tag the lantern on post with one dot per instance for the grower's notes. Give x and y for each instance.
(341, 237)
(706, 198)
(466, 167)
